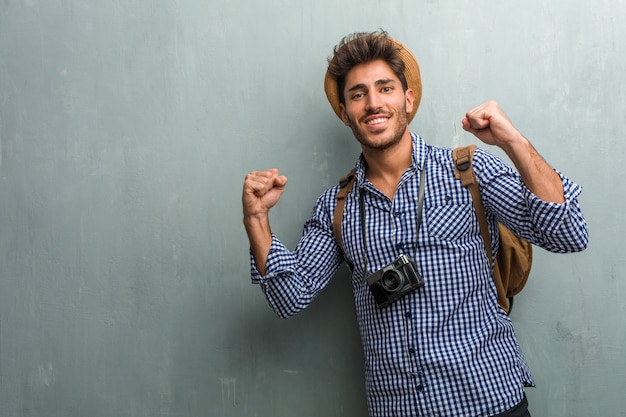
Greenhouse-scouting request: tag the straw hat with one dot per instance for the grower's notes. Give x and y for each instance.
(411, 73)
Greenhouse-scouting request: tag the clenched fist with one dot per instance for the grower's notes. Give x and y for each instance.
(489, 124)
(261, 191)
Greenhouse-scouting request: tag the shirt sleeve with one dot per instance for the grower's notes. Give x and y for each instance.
(559, 228)
(293, 279)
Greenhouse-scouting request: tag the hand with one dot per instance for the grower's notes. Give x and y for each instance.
(489, 124)
(261, 191)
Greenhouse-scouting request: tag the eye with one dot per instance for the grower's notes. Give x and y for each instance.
(387, 89)
(358, 96)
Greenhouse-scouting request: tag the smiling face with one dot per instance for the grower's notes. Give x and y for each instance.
(376, 106)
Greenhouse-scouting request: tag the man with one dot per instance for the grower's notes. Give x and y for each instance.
(446, 348)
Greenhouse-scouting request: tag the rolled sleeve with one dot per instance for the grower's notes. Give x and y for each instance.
(562, 226)
(278, 259)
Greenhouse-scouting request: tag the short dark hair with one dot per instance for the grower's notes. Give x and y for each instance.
(361, 48)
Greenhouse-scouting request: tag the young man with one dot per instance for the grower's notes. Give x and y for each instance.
(445, 348)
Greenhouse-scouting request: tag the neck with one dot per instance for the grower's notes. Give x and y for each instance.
(385, 167)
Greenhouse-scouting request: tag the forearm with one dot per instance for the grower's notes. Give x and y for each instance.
(260, 237)
(539, 177)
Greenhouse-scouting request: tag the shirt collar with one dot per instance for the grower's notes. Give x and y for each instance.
(418, 158)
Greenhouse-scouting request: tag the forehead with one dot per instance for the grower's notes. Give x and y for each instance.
(369, 74)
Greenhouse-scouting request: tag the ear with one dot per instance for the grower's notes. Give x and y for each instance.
(409, 96)
(344, 115)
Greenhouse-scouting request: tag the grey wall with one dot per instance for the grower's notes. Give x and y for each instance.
(126, 128)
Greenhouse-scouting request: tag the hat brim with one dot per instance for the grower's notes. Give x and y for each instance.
(411, 73)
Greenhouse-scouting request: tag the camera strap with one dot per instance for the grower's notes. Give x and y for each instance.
(420, 206)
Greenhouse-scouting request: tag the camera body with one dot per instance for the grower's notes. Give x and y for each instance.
(394, 280)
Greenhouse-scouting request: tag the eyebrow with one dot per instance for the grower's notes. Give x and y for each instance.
(378, 82)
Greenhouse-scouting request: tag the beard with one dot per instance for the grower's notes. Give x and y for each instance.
(394, 137)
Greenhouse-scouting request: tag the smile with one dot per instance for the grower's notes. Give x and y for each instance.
(377, 121)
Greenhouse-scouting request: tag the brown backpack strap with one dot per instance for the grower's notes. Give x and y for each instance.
(465, 172)
(345, 186)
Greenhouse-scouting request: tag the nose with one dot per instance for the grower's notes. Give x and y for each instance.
(373, 104)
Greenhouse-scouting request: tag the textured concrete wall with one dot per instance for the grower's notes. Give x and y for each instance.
(126, 129)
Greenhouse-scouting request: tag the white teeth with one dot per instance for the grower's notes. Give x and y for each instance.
(376, 121)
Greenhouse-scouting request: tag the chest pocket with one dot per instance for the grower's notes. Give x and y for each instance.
(449, 212)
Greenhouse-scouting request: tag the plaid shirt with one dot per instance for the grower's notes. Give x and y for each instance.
(446, 349)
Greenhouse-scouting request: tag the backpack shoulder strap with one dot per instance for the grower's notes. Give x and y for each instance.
(345, 186)
(465, 172)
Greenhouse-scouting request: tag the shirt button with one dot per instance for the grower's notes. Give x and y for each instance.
(420, 387)
(408, 314)
(412, 351)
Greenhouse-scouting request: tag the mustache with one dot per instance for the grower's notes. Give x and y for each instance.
(375, 112)
(379, 110)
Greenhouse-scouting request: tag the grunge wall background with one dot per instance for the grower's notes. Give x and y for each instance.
(126, 129)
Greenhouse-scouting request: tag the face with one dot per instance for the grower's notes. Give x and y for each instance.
(376, 106)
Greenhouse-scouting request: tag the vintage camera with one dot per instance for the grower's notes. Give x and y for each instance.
(394, 280)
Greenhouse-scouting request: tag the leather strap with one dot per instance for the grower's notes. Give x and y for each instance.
(345, 186)
(463, 162)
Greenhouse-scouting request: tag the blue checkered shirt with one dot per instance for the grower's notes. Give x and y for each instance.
(446, 349)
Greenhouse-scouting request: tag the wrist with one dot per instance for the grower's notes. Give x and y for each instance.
(517, 147)
(256, 221)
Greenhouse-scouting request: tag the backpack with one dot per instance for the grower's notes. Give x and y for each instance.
(513, 262)
(515, 255)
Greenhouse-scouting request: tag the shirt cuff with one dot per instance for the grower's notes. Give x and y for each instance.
(278, 259)
(549, 216)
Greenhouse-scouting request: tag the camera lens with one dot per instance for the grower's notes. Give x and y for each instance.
(392, 281)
